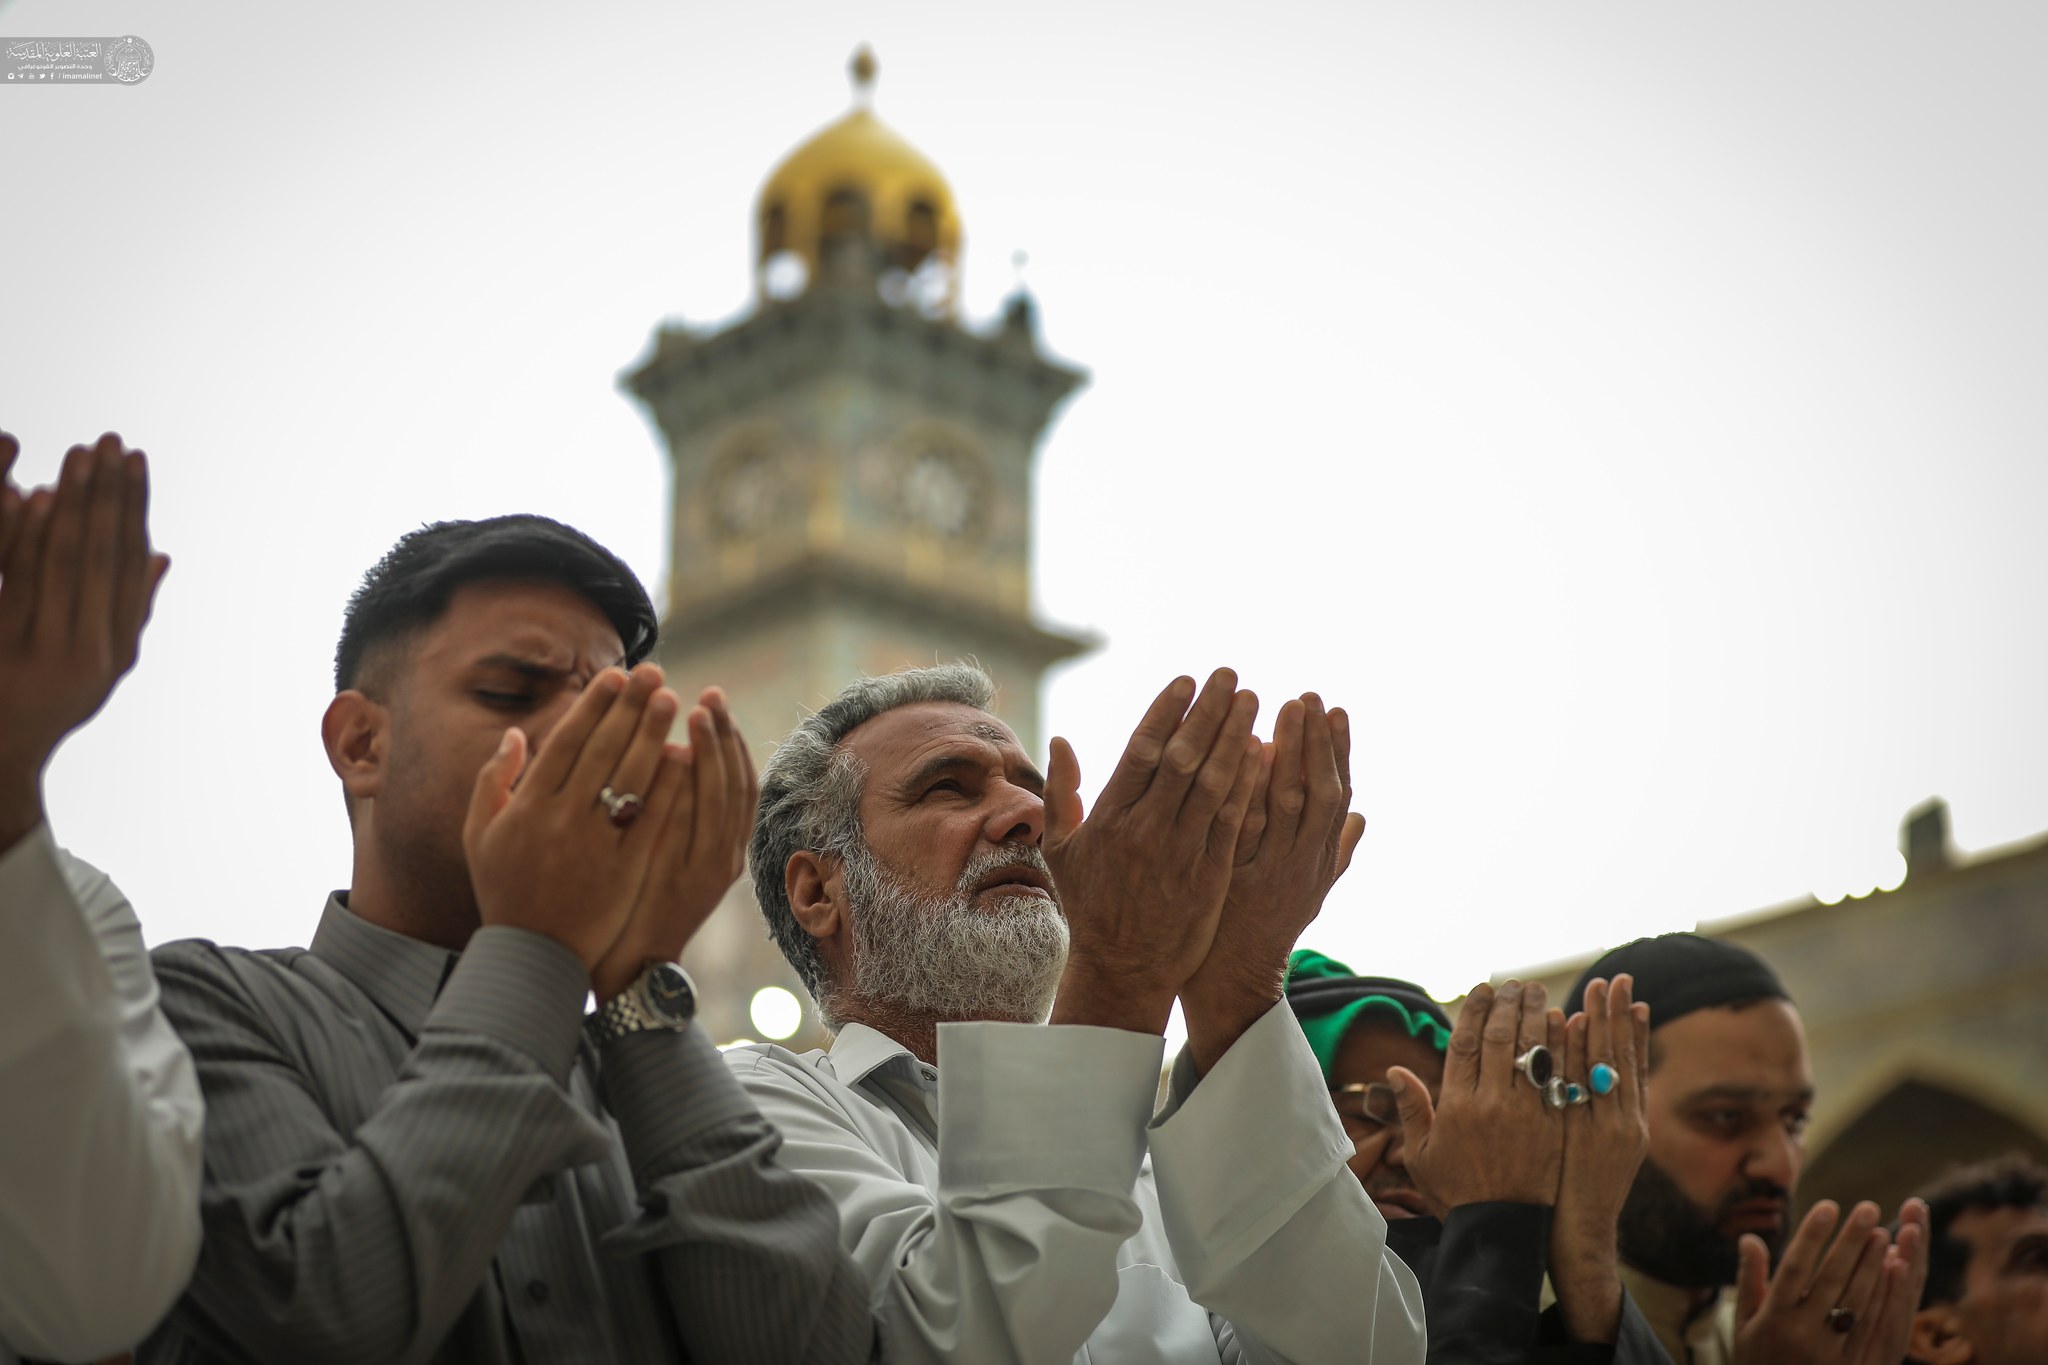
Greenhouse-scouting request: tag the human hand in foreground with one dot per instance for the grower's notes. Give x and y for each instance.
(700, 851)
(1491, 1136)
(1143, 876)
(1853, 1306)
(77, 580)
(1605, 1138)
(1297, 838)
(545, 851)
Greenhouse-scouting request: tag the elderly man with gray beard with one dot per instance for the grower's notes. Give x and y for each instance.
(1002, 1180)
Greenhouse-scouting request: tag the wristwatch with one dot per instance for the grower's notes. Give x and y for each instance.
(661, 997)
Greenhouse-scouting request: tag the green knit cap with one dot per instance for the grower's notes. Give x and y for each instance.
(1328, 997)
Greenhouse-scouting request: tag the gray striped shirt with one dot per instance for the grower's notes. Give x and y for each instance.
(415, 1157)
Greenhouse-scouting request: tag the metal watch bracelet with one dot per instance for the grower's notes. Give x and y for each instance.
(661, 997)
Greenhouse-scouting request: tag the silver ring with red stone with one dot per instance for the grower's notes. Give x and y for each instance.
(622, 808)
(1842, 1320)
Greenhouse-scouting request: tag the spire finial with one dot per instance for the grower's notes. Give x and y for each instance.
(863, 68)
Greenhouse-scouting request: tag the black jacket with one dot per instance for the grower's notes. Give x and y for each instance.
(1482, 1273)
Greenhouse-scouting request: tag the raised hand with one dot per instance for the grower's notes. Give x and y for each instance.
(1605, 1139)
(77, 579)
(701, 851)
(1854, 1306)
(1491, 1136)
(545, 852)
(1142, 878)
(1297, 839)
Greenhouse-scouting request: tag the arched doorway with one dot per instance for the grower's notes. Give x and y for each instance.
(1911, 1134)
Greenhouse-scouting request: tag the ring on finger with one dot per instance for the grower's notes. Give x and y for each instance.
(1537, 1065)
(1558, 1093)
(1603, 1078)
(1842, 1320)
(621, 808)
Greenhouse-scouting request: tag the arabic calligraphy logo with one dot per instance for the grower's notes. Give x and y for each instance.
(129, 60)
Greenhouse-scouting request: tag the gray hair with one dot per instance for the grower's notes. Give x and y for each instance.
(810, 792)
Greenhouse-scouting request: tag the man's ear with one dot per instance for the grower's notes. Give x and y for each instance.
(816, 887)
(356, 732)
(1938, 1338)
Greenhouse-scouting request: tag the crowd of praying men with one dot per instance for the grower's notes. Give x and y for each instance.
(473, 1120)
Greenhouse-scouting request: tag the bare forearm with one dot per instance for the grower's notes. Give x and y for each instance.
(1108, 998)
(1233, 990)
(1585, 1272)
(1217, 1019)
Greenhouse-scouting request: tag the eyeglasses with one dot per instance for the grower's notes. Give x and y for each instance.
(1367, 1103)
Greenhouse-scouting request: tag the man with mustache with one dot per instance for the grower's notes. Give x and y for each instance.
(1703, 1234)
(1359, 1027)
(1004, 1182)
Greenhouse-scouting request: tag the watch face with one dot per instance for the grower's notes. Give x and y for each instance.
(669, 993)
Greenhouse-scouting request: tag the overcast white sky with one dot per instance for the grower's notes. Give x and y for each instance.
(1633, 414)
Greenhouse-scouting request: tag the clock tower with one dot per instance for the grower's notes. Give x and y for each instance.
(852, 478)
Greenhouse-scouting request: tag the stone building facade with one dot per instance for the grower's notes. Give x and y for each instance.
(1926, 1013)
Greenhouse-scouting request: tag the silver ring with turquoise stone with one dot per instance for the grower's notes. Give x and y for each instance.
(1603, 1078)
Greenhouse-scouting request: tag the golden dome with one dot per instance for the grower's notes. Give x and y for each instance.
(857, 179)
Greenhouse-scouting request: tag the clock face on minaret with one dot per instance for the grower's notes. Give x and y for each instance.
(943, 489)
(752, 493)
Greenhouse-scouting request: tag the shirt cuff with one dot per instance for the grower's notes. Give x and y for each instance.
(521, 988)
(664, 1087)
(1213, 1143)
(1039, 1106)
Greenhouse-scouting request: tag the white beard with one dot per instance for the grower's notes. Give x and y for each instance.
(938, 955)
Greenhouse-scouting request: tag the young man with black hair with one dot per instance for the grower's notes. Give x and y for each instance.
(1986, 1300)
(418, 1149)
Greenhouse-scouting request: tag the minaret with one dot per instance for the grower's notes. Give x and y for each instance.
(853, 468)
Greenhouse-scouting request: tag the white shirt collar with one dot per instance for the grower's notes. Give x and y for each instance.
(859, 1051)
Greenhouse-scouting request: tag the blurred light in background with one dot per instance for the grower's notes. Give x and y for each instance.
(775, 1012)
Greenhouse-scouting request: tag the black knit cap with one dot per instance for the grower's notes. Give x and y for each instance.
(1676, 974)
